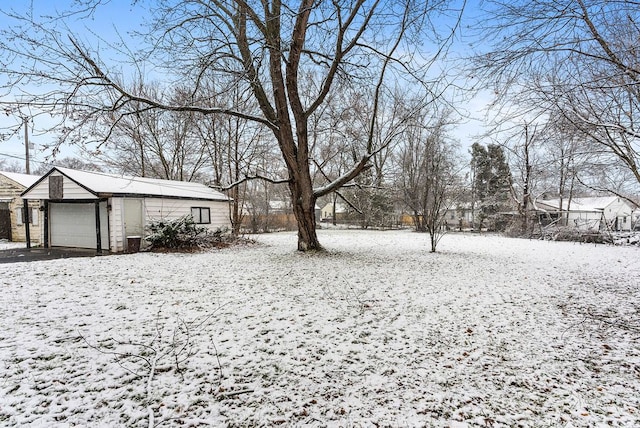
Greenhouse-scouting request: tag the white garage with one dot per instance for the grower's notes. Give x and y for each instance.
(103, 211)
(74, 225)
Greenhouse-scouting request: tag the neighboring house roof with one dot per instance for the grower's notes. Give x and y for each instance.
(582, 204)
(25, 180)
(100, 183)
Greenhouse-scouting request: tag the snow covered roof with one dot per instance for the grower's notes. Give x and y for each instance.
(582, 204)
(115, 185)
(26, 180)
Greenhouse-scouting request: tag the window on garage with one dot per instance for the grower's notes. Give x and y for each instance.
(201, 215)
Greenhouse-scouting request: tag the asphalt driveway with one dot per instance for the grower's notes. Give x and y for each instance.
(16, 255)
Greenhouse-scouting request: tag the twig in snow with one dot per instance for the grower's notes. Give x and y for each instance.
(607, 320)
(215, 348)
(178, 347)
(236, 393)
(573, 325)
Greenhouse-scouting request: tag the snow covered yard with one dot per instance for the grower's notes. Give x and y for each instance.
(378, 332)
(6, 245)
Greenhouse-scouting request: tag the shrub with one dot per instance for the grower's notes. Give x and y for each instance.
(185, 235)
(216, 239)
(567, 233)
(182, 232)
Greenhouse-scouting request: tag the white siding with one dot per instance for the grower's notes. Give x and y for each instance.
(618, 208)
(116, 227)
(70, 190)
(618, 215)
(168, 209)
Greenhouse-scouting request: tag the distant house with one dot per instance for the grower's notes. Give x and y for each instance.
(327, 212)
(457, 217)
(95, 210)
(460, 216)
(12, 212)
(594, 213)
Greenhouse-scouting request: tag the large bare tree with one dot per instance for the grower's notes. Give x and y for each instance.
(286, 55)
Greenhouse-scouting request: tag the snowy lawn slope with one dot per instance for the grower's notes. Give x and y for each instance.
(378, 332)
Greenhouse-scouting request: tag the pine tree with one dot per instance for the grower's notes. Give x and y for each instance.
(491, 181)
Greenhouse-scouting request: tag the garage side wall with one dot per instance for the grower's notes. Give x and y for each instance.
(157, 209)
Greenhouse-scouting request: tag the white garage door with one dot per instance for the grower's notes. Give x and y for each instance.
(74, 225)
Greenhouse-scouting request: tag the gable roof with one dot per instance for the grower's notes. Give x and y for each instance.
(104, 184)
(25, 180)
(592, 204)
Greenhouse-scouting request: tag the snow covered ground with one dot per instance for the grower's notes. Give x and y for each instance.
(6, 245)
(378, 332)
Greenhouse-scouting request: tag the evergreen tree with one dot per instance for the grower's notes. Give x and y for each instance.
(491, 181)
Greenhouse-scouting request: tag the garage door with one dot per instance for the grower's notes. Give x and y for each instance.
(74, 225)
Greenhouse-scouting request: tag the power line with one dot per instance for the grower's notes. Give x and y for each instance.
(13, 156)
(22, 158)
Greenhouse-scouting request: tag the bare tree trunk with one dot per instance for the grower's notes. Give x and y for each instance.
(333, 212)
(303, 202)
(304, 212)
(526, 190)
(236, 218)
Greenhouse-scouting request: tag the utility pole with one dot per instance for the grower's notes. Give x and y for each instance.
(25, 120)
(26, 209)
